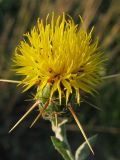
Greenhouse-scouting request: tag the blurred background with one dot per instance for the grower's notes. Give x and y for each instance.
(19, 16)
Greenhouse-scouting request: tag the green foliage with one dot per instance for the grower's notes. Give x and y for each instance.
(62, 148)
(83, 150)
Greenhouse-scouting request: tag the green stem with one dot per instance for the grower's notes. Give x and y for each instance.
(60, 134)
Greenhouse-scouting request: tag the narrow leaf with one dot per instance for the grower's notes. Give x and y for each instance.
(62, 148)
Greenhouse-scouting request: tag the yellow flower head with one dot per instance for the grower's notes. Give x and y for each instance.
(59, 58)
(61, 54)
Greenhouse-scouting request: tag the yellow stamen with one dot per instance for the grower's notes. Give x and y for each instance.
(80, 127)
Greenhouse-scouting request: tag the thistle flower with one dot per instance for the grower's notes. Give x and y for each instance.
(59, 54)
(62, 58)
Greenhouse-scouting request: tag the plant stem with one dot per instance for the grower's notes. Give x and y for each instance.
(60, 133)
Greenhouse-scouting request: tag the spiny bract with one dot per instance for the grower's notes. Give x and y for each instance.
(59, 53)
